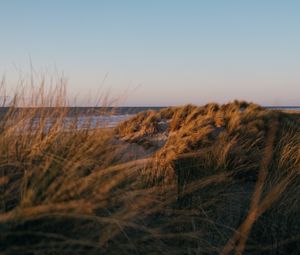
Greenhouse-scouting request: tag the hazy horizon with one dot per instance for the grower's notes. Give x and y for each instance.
(158, 53)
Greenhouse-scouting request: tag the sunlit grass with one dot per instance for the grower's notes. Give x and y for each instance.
(184, 180)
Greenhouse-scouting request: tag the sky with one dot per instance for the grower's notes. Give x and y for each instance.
(158, 52)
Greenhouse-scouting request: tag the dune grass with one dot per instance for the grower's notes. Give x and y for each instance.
(216, 179)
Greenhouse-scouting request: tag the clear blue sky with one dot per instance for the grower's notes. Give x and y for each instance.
(166, 52)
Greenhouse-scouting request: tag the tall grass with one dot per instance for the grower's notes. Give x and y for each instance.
(225, 179)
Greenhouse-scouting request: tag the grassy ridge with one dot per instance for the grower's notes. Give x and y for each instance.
(215, 179)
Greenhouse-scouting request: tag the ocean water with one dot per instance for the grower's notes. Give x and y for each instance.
(81, 122)
(98, 121)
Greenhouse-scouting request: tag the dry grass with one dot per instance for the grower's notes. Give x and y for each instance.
(257, 149)
(207, 180)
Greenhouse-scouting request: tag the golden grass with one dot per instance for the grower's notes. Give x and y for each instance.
(221, 179)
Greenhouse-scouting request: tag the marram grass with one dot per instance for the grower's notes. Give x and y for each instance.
(216, 179)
